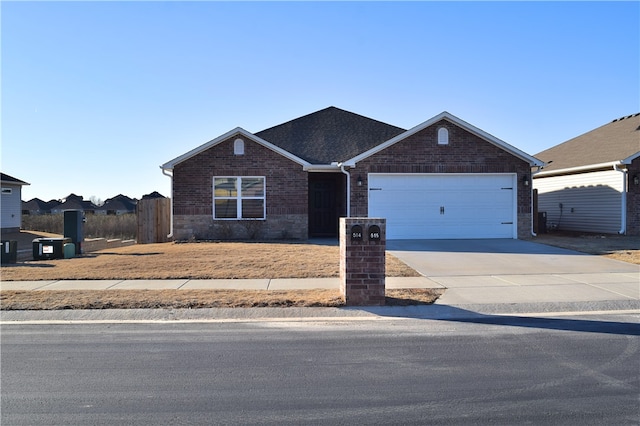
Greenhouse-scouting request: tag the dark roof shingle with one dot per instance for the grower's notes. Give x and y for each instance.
(329, 135)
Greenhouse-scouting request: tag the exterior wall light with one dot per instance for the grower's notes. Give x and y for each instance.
(359, 181)
(525, 180)
(636, 180)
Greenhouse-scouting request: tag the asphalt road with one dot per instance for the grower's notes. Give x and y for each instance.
(485, 370)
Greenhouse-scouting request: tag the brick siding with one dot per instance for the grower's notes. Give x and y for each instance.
(287, 183)
(465, 153)
(362, 263)
(286, 194)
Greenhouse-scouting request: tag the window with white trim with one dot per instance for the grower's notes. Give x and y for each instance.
(239, 197)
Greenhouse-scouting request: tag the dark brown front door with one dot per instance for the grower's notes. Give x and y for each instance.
(325, 192)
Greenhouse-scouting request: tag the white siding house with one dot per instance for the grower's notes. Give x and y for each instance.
(11, 203)
(591, 183)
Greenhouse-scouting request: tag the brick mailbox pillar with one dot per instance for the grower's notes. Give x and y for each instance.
(362, 260)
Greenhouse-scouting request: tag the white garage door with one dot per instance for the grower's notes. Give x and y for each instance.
(445, 206)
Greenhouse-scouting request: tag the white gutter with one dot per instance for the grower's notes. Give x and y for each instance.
(623, 201)
(348, 188)
(164, 172)
(578, 169)
(333, 167)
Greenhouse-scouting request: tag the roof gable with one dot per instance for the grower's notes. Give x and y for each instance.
(614, 142)
(5, 178)
(239, 132)
(333, 136)
(330, 135)
(456, 121)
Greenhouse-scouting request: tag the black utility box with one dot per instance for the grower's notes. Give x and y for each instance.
(542, 223)
(49, 248)
(9, 251)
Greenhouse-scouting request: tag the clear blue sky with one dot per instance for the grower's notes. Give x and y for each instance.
(97, 95)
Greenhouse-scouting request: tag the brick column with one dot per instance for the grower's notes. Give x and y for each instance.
(362, 260)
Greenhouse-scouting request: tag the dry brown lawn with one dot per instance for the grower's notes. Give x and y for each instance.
(235, 260)
(618, 247)
(191, 299)
(196, 261)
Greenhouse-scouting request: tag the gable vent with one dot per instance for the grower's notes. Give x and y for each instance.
(443, 136)
(238, 147)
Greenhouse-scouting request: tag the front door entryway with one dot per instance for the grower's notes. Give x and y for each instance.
(326, 203)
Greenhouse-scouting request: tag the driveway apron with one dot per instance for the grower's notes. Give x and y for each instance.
(516, 271)
(498, 257)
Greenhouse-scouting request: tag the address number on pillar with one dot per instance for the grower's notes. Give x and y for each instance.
(374, 232)
(356, 233)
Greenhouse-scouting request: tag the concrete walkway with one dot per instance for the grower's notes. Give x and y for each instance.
(225, 284)
(460, 289)
(479, 276)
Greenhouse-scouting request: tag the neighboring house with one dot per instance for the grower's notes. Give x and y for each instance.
(591, 183)
(441, 179)
(118, 205)
(36, 206)
(11, 203)
(153, 195)
(74, 202)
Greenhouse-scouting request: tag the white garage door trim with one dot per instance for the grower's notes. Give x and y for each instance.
(445, 205)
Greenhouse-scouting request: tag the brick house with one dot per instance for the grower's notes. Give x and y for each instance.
(591, 183)
(441, 179)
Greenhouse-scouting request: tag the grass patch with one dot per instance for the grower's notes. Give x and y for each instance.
(196, 261)
(194, 299)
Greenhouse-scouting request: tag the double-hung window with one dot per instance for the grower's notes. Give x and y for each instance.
(238, 197)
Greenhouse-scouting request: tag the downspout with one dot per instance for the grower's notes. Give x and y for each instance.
(348, 188)
(623, 201)
(164, 172)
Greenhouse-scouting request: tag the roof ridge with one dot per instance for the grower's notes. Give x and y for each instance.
(625, 117)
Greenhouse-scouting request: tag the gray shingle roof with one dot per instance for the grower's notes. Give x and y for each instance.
(329, 135)
(612, 142)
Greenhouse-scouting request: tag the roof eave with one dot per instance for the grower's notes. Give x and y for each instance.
(237, 131)
(13, 182)
(580, 169)
(333, 167)
(630, 158)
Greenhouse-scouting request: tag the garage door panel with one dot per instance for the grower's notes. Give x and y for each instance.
(444, 206)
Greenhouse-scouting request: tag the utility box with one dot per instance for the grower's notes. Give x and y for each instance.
(9, 251)
(74, 227)
(542, 223)
(49, 248)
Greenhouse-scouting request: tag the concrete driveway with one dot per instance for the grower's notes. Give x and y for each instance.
(516, 271)
(498, 256)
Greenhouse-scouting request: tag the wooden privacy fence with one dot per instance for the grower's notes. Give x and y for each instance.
(154, 220)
